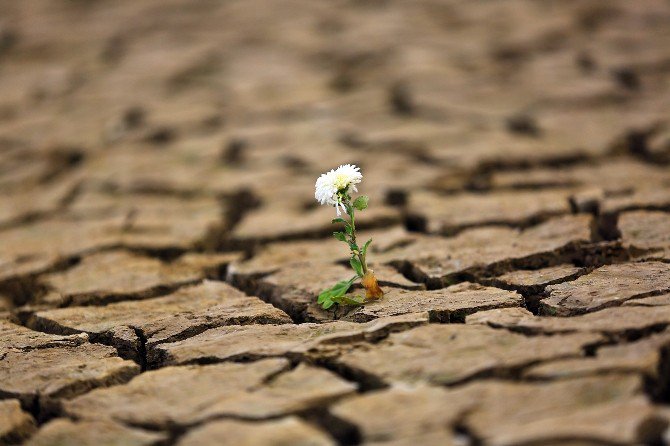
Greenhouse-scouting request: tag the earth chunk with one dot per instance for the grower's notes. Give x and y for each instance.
(614, 322)
(613, 175)
(643, 198)
(448, 304)
(256, 341)
(275, 256)
(119, 275)
(643, 356)
(187, 395)
(63, 372)
(607, 286)
(652, 301)
(285, 431)
(184, 313)
(448, 214)
(534, 281)
(446, 354)
(19, 338)
(508, 413)
(647, 233)
(35, 247)
(439, 261)
(404, 413)
(608, 409)
(21, 206)
(170, 222)
(93, 433)
(15, 424)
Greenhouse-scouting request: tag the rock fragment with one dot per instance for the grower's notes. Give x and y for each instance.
(404, 414)
(620, 322)
(508, 413)
(119, 275)
(449, 214)
(440, 261)
(15, 424)
(19, 338)
(611, 176)
(187, 395)
(642, 356)
(607, 286)
(186, 312)
(534, 281)
(652, 301)
(49, 374)
(284, 431)
(93, 433)
(37, 246)
(170, 222)
(445, 305)
(257, 341)
(587, 409)
(647, 198)
(647, 233)
(28, 204)
(448, 354)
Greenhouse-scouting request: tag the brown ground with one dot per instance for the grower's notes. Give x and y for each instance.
(161, 250)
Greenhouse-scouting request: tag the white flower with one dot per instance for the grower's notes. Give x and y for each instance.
(330, 183)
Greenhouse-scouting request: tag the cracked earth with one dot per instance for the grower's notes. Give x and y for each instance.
(161, 250)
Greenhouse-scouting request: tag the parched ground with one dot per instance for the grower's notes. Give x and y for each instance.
(161, 250)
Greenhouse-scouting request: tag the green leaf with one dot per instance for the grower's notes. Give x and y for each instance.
(323, 296)
(365, 247)
(353, 246)
(356, 265)
(342, 287)
(347, 226)
(341, 236)
(327, 298)
(361, 202)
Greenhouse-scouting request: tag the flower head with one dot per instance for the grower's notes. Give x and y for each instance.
(331, 186)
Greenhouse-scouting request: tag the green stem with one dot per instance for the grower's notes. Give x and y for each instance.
(360, 256)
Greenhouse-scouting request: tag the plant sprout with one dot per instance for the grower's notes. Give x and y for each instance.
(334, 188)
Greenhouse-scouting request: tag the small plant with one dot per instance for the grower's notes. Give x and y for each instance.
(334, 188)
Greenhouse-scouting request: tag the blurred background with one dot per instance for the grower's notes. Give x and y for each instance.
(174, 125)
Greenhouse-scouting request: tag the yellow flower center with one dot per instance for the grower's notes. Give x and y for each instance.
(341, 181)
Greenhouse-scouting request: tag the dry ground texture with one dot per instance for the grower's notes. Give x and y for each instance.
(161, 249)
